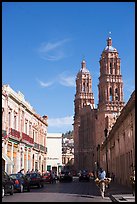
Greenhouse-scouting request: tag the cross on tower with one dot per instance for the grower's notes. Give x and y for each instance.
(109, 33)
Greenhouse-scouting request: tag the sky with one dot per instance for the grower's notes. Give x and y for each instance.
(44, 43)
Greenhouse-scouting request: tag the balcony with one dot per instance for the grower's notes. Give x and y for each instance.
(36, 146)
(43, 149)
(27, 139)
(14, 134)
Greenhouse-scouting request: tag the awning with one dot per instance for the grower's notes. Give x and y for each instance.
(7, 159)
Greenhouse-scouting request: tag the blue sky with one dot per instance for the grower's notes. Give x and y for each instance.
(43, 44)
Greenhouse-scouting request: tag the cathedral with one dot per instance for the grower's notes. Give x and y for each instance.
(93, 125)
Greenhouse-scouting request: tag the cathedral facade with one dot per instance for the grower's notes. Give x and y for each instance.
(93, 125)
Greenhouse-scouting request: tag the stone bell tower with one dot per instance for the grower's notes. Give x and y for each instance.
(110, 91)
(110, 81)
(84, 93)
(83, 97)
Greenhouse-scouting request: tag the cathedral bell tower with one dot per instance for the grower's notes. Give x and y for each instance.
(84, 93)
(83, 97)
(110, 81)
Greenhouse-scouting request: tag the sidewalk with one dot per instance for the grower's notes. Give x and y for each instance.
(120, 193)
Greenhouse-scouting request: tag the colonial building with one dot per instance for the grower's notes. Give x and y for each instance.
(68, 152)
(23, 134)
(54, 152)
(121, 144)
(92, 125)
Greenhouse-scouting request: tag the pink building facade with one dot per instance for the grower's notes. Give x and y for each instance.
(24, 134)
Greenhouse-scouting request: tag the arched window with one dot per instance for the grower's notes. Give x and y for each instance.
(83, 87)
(116, 94)
(110, 67)
(110, 92)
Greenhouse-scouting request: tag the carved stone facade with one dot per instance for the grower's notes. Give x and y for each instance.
(87, 139)
(92, 125)
(110, 90)
(83, 97)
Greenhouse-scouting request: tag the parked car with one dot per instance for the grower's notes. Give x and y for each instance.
(47, 177)
(65, 175)
(21, 182)
(35, 179)
(84, 175)
(7, 184)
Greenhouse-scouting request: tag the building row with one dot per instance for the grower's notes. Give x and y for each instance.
(26, 143)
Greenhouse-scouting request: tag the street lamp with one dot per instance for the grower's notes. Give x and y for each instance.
(106, 131)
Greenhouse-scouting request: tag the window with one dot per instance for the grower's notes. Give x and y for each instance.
(110, 68)
(83, 86)
(116, 94)
(26, 127)
(29, 129)
(9, 119)
(15, 122)
(110, 92)
(33, 135)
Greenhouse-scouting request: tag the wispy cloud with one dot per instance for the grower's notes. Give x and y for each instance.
(67, 80)
(60, 122)
(52, 51)
(43, 84)
(62, 79)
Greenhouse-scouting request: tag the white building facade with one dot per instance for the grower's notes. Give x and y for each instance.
(54, 152)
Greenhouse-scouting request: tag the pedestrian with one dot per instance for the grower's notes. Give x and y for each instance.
(53, 177)
(102, 174)
(113, 176)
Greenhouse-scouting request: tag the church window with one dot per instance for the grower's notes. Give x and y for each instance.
(110, 68)
(110, 92)
(83, 86)
(116, 94)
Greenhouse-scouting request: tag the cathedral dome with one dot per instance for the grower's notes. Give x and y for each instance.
(83, 68)
(109, 47)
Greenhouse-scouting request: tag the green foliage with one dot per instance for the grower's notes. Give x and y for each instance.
(68, 134)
